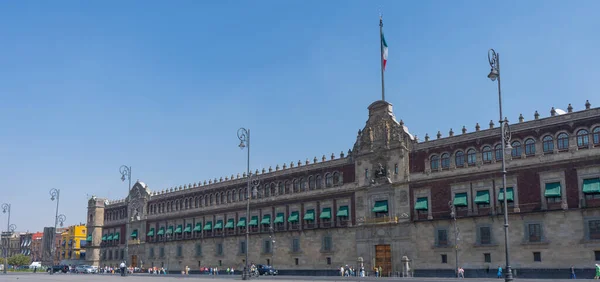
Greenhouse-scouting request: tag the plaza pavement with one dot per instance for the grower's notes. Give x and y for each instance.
(41, 277)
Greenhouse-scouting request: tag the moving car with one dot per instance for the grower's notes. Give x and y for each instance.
(264, 269)
(88, 269)
(58, 268)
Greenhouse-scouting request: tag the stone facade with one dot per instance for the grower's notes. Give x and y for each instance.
(361, 207)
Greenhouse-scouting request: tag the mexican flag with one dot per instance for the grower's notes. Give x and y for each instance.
(384, 51)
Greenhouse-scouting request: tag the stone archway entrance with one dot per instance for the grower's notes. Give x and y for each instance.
(383, 259)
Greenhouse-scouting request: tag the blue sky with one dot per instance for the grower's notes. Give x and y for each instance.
(163, 86)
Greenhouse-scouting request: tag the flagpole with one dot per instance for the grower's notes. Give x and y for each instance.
(381, 57)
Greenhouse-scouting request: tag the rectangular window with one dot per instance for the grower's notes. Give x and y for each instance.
(242, 247)
(327, 244)
(597, 255)
(537, 256)
(220, 263)
(396, 169)
(487, 257)
(594, 229)
(485, 235)
(535, 232)
(219, 249)
(198, 250)
(296, 261)
(444, 258)
(179, 251)
(162, 252)
(442, 237)
(328, 261)
(267, 247)
(151, 252)
(295, 245)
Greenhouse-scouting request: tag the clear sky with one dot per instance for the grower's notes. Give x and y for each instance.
(163, 86)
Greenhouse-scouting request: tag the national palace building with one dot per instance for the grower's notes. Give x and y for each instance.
(386, 202)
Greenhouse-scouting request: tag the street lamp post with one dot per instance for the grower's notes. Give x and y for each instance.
(58, 219)
(244, 136)
(9, 229)
(453, 215)
(272, 237)
(126, 175)
(494, 60)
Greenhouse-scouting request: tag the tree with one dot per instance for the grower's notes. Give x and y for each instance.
(19, 260)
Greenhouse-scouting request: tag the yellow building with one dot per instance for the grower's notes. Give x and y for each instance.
(73, 242)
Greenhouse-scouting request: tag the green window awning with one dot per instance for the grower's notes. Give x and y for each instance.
(208, 225)
(198, 227)
(294, 216)
(482, 197)
(188, 228)
(253, 221)
(342, 211)
(242, 222)
(219, 224)
(510, 194)
(591, 186)
(116, 236)
(104, 237)
(170, 230)
(279, 218)
(134, 234)
(89, 238)
(421, 204)
(179, 229)
(460, 200)
(552, 190)
(266, 219)
(110, 237)
(161, 231)
(381, 206)
(325, 213)
(150, 233)
(309, 215)
(230, 223)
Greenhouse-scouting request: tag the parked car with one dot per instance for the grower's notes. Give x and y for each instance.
(58, 268)
(264, 269)
(87, 269)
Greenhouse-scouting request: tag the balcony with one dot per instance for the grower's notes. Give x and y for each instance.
(378, 220)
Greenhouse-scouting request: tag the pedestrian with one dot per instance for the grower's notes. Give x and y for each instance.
(232, 271)
(499, 272)
(573, 272)
(380, 271)
(597, 271)
(461, 272)
(122, 267)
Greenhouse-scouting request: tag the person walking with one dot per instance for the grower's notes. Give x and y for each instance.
(573, 272)
(499, 272)
(461, 272)
(122, 267)
(597, 271)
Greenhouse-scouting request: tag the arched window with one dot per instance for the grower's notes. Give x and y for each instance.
(267, 190)
(311, 183)
(186, 204)
(302, 184)
(487, 154)
(563, 141)
(459, 158)
(233, 195)
(498, 152)
(340, 178)
(172, 206)
(217, 199)
(471, 156)
(336, 178)
(287, 186)
(445, 160)
(222, 197)
(280, 188)
(583, 138)
(296, 186)
(517, 150)
(211, 200)
(241, 194)
(596, 135)
(229, 196)
(319, 181)
(328, 180)
(548, 144)
(530, 147)
(273, 190)
(434, 162)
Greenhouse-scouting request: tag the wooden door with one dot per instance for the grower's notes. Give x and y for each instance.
(383, 258)
(134, 261)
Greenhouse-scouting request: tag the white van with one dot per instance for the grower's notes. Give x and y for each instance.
(35, 264)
